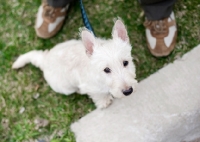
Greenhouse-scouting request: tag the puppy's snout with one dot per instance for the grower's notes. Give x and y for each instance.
(128, 91)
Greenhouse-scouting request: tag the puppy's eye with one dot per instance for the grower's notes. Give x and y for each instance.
(125, 63)
(107, 70)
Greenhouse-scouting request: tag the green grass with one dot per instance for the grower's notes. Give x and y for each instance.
(18, 88)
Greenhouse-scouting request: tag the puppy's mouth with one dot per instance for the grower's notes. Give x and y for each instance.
(112, 96)
(122, 95)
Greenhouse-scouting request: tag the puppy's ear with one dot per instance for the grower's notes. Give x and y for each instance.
(88, 41)
(119, 31)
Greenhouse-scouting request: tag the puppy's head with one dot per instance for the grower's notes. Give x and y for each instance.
(111, 60)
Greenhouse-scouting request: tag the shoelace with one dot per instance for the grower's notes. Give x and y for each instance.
(49, 13)
(159, 27)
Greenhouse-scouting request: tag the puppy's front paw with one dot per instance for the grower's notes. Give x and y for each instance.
(104, 102)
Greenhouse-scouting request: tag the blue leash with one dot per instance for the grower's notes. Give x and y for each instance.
(85, 18)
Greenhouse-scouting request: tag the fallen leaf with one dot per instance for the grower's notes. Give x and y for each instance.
(22, 109)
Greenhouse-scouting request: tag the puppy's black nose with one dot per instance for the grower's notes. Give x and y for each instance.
(128, 91)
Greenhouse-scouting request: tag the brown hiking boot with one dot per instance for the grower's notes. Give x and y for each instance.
(49, 20)
(161, 36)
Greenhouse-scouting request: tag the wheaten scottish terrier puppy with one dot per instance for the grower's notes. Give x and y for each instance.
(101, 68)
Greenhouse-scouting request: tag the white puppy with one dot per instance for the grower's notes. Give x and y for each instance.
(103, 69)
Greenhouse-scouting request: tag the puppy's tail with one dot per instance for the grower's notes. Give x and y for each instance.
(34, 57)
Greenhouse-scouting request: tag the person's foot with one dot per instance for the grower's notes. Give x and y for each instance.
(49, 20)
(161, 35)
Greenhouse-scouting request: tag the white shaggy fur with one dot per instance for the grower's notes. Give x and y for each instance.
(165, 108)
(78, 66)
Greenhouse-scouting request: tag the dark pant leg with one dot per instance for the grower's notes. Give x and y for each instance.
(58, 3)
(157, 9)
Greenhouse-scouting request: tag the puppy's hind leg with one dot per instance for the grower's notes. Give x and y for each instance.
(34, 57)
